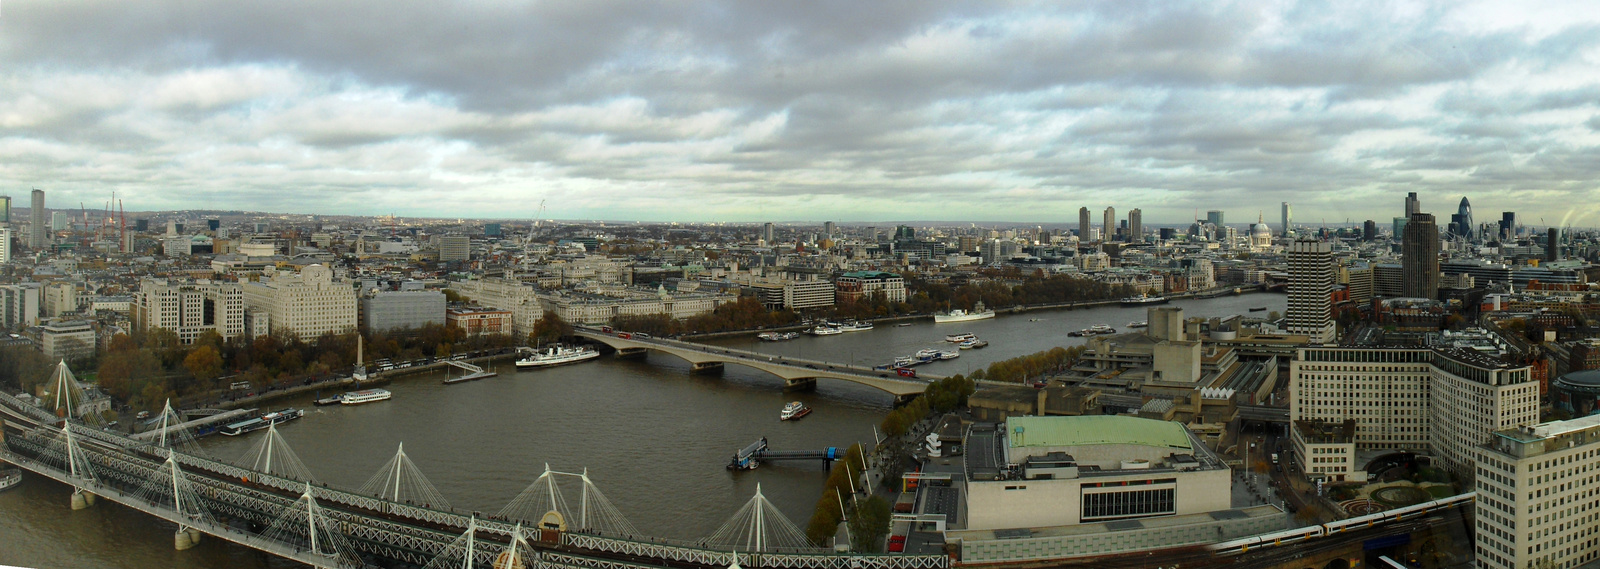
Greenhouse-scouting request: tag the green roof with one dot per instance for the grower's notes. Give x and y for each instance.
(1094, 430)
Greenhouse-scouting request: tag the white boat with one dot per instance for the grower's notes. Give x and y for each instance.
(958, 338)
(1102, 329)
(10, 477)
(557, 355)
(927, 354)
(824, 331)
(365, 396)
(968, 344)
(903, 361)
(794, 410)
(1138, 324)
(768, 336)
(959, 315)
(949, 355)
(1143, 299)
(855, 326)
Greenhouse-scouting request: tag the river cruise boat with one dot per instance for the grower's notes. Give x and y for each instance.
(245, 426)
(959, 315)
(793, 411)
(949, 354)
(777, 336)
(959, 338)
(824, 331)
(972, 343)
(283, 416)
(1143, 299)
(365, 396)
(10, 477)
(927, 354)
(855, 326)
(557, 355)
(1102, 329)
(904, 361)
(1139, 324)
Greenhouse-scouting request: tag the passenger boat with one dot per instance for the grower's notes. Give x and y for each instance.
(958, 338)
(903, 361)
(330, 400)
(768, 336)
(927, 354)
(824, 331)
(1102, 329)
(1258, 309)
(245, 426)
(949, 355)
(10, 477)
(968, 344)
(794, 410)
(283, 416)
(1138, 324)
(959, 315)
(1143, 299)
(902, 325)
(557, 355)
(365, 396)
(855, 326)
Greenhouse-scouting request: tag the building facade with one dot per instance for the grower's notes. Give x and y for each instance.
(308, 304)
(1538, 505)
(505, 292)
(477, 321)
(20, 305)
(67, 341)
(1420, 257)
(188, 309)
(397, 310)
(855, 285)
(1311, 279)
(37, 229)
(455, 248)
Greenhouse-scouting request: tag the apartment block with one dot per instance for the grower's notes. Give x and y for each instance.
(189, 308)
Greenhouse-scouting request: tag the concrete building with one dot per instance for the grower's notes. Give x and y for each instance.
(67, 341)
(1359, 280)
(1055, 471)
(5, 244)
(1420, 250)
(38, 231)
(1537, 503)
(1083, 224)
(796, 294)
(1135, 226)
(188, 309)
(768, 233)
(477, 321)
(1108, 225)
(388, 310)
(859, 284)
(1287, 220)
(1311, 279)
(308, 304)
(59, 221)
(455, 248)
(1444, 402)
(60, 298)
(20, 305)
(505, 292)
(589, 308)
(1215, 217)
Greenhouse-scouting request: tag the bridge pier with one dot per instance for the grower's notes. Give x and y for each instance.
(631, 353)
(185, 538)
(81, 499)
(901, 400)
(802, 384)
(707, 368)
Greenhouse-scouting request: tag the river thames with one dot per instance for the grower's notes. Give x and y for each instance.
(654, 438)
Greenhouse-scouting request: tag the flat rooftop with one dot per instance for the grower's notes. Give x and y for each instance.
(1095, 430)
(1110, 527)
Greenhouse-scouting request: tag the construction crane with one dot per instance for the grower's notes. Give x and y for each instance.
(537, 219)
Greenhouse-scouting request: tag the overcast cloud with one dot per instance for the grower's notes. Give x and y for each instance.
(811, 110)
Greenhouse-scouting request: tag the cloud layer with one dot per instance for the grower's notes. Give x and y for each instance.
(735, 111)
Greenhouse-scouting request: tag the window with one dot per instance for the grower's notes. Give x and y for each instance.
(1128, 504)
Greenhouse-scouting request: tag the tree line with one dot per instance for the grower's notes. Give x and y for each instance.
(1023, 368)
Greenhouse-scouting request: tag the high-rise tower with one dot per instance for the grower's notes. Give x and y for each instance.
(1214, 217)
(1413, 206)
(1286, 219)
(767, 233)
(1463, 219)
(1135, 226)
(1109, 227)
(1420, 261)
(36, 237)
(1311, 279)
(1083, 224)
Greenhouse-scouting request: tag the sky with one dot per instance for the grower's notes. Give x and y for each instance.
(737, 111)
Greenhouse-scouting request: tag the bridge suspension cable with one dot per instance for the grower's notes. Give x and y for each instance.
(544, 503)
(401, 482)
(172, 437)
(759, 527)
(272, 455)
(467, 552)
(169, 486)
(69, 396)
(306, 527)
(63, 451)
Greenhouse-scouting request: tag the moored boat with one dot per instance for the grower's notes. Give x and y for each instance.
(365, 396)
(959, 315)
(855, 326)
(283, 416)
(245, 426)
(824, 331)
(962, 337)
(1143, 299)
(1258, 309)
(949, 355)
(1138, 324)
(558, 355)
(10, 477)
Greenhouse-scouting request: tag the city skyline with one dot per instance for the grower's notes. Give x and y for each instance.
(853, 113)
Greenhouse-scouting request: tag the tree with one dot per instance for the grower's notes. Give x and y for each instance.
(869, 524)
(550, 328)
(204, 363)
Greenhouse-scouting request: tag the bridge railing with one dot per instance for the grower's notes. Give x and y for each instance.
(704, 556)
(838, 368)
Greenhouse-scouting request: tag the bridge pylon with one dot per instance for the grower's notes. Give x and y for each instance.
(545, 503)
(304, 526)
(63, 451)
(169, 486)
(759, 527)
(400, 481)
(272, 455)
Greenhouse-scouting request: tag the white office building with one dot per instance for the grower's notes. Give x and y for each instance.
(190, 308)
(1539, 496)
(308, 304)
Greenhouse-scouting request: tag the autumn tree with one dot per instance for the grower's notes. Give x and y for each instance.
(204, 363)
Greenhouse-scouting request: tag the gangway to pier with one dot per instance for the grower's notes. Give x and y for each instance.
(471, 369)
(752, 455)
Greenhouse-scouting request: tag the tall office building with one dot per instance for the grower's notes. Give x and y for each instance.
(1420, 248)
(1135, 226)
(59, 221)
(1508, 225)
(5, 210)
(1369, 230)
(36, 237)
(1413, 206)
(1399, 227)
(829, 229)
(1214, 217)
(188, 309)
(1536, 499)
(1552, 245)
(5, 244)
(1462, 220)
(308, 304)
(1083, 224)
(767, 232)
(1311, 276)
(1109, 224)
(1286, 219)
(455, 248)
